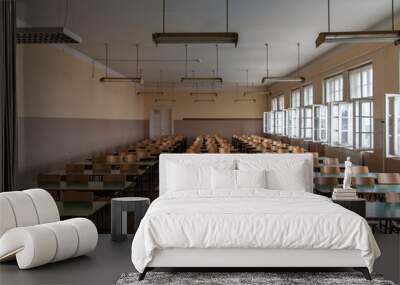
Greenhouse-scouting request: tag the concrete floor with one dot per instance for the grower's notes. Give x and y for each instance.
(110, 260)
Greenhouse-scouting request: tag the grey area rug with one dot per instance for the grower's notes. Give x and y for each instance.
(236, 278)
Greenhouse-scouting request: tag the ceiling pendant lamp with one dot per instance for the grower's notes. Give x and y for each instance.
(271, 79)
(160, 86)
(197, 38)
(213, 78)
(48, 35)
(245, 100)
(108, 79)
(387, 36)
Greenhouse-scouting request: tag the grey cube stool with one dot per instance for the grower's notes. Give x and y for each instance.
(119, 209)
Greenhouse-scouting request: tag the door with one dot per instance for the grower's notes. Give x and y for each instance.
(161, 122)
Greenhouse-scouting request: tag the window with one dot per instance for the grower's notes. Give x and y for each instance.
(308, 94)
(342, 124)
(274, 104)
(306, 123)
(334, 89)
(295, 98)
(281, 102)
(279, 122)
(320, 127)
(364, 122)
(361, 82)
(293, 123)
(268, 122)
(393, 125)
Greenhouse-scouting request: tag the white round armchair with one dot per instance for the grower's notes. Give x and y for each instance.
(31, 230)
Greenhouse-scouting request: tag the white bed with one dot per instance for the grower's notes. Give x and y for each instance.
(223, 225)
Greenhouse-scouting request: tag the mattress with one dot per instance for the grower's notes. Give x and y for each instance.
(250, 219)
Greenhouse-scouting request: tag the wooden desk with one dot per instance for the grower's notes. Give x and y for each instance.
(377, 188)
(341, 175)
(383, 211)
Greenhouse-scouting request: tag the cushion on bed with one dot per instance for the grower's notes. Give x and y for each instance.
(223, 179)
(251, 179)
(194, 175)
(282, 174)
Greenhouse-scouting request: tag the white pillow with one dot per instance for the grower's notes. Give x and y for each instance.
(293, 179)
(251, 178)
(282, 173)
(223, 179)
(183, 177)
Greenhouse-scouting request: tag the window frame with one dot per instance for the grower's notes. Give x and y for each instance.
(395, 120)
(320, 129)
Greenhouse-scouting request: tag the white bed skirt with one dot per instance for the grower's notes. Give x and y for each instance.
(178, 257)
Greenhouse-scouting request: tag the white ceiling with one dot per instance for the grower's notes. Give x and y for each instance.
(281, 23)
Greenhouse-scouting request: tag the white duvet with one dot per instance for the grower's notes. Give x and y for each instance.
(254, 218)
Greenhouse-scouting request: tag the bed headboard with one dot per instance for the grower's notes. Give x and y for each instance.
(203, 159)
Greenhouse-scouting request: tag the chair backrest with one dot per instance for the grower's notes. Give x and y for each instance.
(359, 170)
(101, 168)
(74, 168)
(77, 196)
(331, 181)
(48, 179)
(26, 208)
(330, 170)
(388, 178)
(331, 161)
(114, 179)
(392, 197)
(128, 168)
(363, 181)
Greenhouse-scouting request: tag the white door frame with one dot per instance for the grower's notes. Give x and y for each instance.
(160, 108)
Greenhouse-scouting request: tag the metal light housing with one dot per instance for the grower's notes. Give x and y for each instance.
(245, 100)
(282, 79)
(196, 38)
(359, 37)
(46, 35)
(150, 93)
(215, 94)
(122, 80)
(194, 79)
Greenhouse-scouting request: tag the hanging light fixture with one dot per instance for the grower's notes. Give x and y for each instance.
(137, 79)
(270, 79)
(197, 38)
(204, 100)
(388, 36)
(215, 94)
(164, 100)
(160, 86)
(214, 78)
(48, 35)
(245, 100)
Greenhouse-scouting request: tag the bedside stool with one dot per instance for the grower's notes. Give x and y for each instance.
(119, 209)
(355, 205)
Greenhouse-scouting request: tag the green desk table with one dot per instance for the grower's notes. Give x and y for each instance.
(383, 211)
(341, 175)
(80, 209)
(377, 188)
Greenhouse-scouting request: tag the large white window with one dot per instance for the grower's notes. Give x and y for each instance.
(308, 95)
(320, 127)
(268, 124)
(393, 125)
(274, 104)
(342, 124)
(364, 121)
(306, 123)
(281, 102)
(361, 82)
(334, 89)
(293, 121)
(295, 98)
(279, 123)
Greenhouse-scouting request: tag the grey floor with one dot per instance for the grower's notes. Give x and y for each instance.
(110, 260)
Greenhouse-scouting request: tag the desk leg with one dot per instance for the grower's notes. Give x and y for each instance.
(116, 222)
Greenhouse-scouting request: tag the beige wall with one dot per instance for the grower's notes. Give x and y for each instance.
(385, 60)
(59, 82)
(223, 107)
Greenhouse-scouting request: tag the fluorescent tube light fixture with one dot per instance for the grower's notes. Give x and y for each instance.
(150, 93)
(388, 36)
(196, 38)
(270, 79)
(187, 78)
(245, 100)
(204, 100)
(108, 79)
(164, 100)
(46, 35)
(215, 94)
